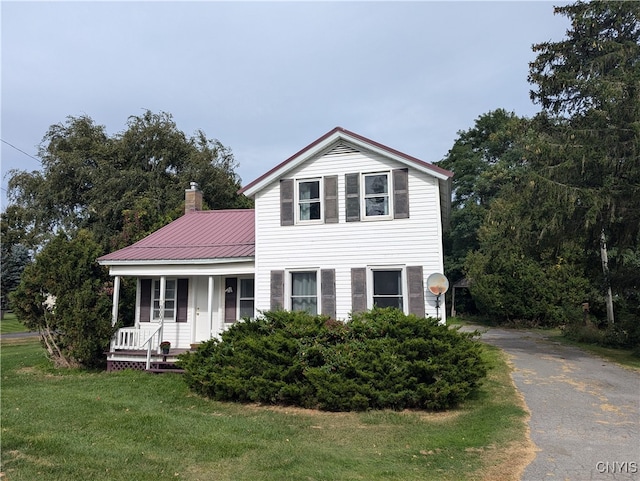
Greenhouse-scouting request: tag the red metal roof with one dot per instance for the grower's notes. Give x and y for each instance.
(199, 235)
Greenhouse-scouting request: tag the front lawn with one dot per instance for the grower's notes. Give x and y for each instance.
(76, 425)
(11, 324)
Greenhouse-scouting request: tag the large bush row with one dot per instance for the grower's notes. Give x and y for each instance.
(378, 359)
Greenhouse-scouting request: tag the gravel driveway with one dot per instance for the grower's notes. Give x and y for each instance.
(585, 411)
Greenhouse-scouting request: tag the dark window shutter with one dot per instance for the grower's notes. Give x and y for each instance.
(328, 292)
(230, 299)
(286, 202)
(183, 300)
(145, 300)
(277, 290)
(352, 197)
(358, 289)
(331, 199)
(416, 290)
(401, 194)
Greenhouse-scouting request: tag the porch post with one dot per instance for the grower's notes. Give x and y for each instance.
(116, 300)
(210, 304)
(163, 287)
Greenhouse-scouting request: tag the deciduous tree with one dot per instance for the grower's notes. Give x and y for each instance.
(120, 187)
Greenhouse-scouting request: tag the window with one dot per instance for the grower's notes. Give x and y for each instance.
(169, 299)
(376, 195)
(246, 298)
(387, 288)
(309, 205)
(239, 299)
(304, 292)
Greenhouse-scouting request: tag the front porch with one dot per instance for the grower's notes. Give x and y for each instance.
(142, 361)
(193, 279)
(180, 308)
(139, 349)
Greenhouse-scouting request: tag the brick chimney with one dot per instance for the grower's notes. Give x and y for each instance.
(192, 198)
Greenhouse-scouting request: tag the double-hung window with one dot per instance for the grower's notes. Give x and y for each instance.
(304, 292)
(246, 297)
(376, 199)
(169, 300)
(239, 298)
(309, 204)
(387, 288)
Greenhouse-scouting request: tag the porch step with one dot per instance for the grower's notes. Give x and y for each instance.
(164, 367)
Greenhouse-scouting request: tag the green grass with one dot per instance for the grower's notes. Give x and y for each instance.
(74, 425)
(11, 324)
(624, 357)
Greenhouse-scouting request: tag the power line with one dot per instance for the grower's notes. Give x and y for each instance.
(21, 151)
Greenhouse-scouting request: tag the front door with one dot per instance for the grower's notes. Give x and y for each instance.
(205, 322)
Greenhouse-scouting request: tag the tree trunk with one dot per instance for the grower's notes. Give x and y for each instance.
(605, 271)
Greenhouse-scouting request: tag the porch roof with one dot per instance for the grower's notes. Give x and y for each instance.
(198, 235)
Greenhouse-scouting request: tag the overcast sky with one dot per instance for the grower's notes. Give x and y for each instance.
(268, 78)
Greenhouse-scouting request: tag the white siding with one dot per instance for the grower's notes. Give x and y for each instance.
(341, 246)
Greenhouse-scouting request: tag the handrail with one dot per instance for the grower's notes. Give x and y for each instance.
(148, 343)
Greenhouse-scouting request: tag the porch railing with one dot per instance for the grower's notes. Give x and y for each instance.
(134, 339)
(138, 339)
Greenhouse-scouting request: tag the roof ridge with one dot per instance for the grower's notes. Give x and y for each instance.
(189, 246)
(209, 211)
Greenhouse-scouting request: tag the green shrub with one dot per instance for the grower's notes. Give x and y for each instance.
(378, 359)
(623, 334)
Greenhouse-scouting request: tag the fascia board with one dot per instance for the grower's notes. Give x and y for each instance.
(138, 270)
(160, 262)
(290, 164)
(281, 170)
(416, 164)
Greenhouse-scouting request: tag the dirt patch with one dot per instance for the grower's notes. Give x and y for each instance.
(424, 416)
(509, 463)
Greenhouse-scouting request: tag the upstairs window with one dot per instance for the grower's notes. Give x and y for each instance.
(309, 205)
(376, 195)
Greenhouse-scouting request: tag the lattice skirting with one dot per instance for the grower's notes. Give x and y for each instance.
(122, 365)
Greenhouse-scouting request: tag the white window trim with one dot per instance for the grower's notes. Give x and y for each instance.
(363, 203)
(405, 284)
(320, 199)
(288, 285)
(153, 298)
(238, 298)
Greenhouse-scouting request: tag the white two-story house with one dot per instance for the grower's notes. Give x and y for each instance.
(342, 225)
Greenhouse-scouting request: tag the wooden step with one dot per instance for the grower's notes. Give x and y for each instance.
(162, 367)
(163, 370)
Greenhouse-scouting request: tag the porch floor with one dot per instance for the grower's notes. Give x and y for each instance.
(121, 359)
(138, 352)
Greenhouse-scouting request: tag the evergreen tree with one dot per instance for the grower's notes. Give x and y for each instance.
(587, 152)
(64, 295)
